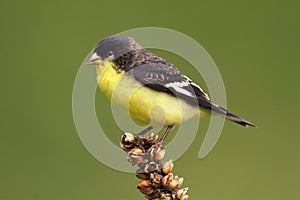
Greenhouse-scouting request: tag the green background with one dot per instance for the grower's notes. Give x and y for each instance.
(255, 45)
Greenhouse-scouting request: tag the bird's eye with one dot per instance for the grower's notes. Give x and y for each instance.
(110, 53)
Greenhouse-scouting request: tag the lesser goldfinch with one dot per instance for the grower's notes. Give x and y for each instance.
(152, 89)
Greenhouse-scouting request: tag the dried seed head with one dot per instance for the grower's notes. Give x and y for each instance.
(135, 151)
(156, 178)
(129, 138)
(167, 167)
(166, 197)
(152, 152)
(174, 183)
(127, 141)
(143, 183)
(157, 181)
(135, 159)
(160, 154)
(151, 167)
(143, 176)
(181, 193)
(166, 179)
(146, 190)
(145, 187)
(180, 181)
(170, 177)
(135, 155)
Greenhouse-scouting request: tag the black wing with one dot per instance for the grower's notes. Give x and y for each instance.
(165, 77)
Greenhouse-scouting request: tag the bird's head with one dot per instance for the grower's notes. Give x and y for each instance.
(112, 47)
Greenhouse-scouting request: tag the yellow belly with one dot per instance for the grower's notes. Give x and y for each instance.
(142, 103)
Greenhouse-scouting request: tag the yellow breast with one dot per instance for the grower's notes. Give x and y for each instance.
(142, 103)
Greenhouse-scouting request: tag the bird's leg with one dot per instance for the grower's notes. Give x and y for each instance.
(160, 143)
(143, 132)
(166, 134)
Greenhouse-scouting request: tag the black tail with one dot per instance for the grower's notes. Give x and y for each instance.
(230, 116)
(222, 111)
(238, 119)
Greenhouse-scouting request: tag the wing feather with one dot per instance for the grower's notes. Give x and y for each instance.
(165, 77)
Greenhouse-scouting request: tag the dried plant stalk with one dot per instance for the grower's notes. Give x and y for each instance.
(157, 181)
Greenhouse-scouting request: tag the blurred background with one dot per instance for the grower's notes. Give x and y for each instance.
(255, 45)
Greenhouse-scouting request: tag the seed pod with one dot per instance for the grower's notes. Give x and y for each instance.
(145, 187)
(185, 197)
(143, 183)
(174, 183)
(167, 167)
(135, 159)
(180, 181)
(155, 178)
(136, 151)
(166, 179)
(142, 176)
(151, 167)
(152, 152)
(127, 141)
(181, 193)
(166, 197)
(146, 190)
(128, 137)
(160, 154)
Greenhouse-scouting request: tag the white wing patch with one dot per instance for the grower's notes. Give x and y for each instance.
(183, 91)
(197, 86)
(177, 84)
(178, 87)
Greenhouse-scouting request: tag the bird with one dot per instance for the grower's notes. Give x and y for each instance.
(151, 89)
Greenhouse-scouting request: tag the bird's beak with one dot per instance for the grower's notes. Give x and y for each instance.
(94, 59)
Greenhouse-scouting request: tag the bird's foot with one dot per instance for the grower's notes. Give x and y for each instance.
(157, 145)
(157, 151)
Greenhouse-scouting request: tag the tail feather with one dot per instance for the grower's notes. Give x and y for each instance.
(238, 119)
(231, 116)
